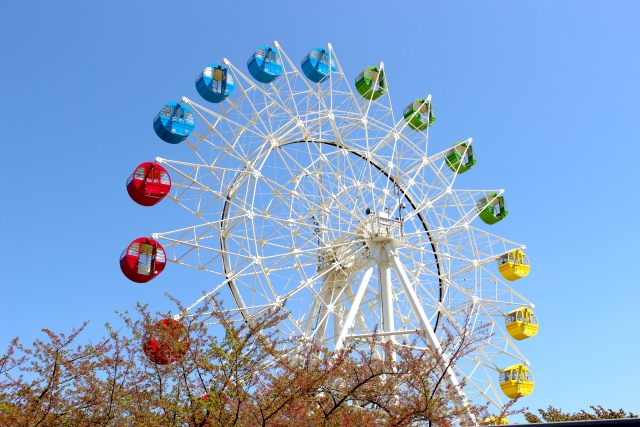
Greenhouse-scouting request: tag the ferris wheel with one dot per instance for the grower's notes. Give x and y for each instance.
(308, 195)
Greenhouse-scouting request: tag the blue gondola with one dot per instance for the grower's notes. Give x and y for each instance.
(215, 83)
(265, 64)
(316, 65)
(174, 123)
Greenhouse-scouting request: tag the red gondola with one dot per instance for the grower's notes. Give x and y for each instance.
(167, 343)
(143, 260)
(148, 184)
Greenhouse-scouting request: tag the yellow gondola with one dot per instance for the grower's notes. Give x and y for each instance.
(521, 323)
(514, 265)
(516, 381)
(495, 421)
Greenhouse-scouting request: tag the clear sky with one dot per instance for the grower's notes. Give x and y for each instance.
(548, 90)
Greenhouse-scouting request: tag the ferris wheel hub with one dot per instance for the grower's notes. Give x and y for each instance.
(379, 227)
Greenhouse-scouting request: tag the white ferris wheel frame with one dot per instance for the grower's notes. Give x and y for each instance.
(377, 158)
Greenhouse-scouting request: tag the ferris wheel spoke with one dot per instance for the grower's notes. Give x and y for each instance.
(417, 172)
(253, 101)
(202, 145)
(452, 215)
(277, 107)
(497, 300)
(308, 282)
(292, 89)
(195, 189)
(338, 98)
(315, 180)
(481, 388)
(199, 109)
(498, 350)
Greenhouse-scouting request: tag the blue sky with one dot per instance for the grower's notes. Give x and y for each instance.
(548, 90)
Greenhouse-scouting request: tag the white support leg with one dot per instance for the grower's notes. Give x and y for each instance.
(359, 319)
(321, 302)
(331, 298)
(460, 401)
(357, 300)
(325, 302)
(386, 293)
(339, 283)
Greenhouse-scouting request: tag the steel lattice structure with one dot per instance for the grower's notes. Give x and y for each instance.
(311, 197)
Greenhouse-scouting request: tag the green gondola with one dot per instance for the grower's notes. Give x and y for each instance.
(420, 114)
(461, 157)
(492, 208)
(371, 83)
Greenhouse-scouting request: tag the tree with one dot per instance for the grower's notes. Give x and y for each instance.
(246, 377)
(599, 413)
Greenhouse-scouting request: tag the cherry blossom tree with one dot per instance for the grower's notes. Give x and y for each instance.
(157, 372)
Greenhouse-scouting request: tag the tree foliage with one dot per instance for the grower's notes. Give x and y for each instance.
(245, 377)
(555, 415)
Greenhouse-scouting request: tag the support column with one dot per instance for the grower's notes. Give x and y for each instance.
(326, 298)
(317, 305)
(386, 294)
(374, 250)
(340, 282)
(460, 399)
